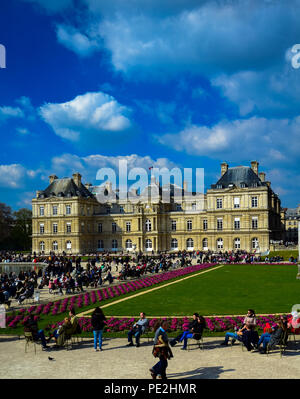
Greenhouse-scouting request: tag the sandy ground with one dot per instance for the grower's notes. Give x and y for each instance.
(120, 362)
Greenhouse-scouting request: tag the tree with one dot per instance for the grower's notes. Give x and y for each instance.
(6, 221)
(22, 230)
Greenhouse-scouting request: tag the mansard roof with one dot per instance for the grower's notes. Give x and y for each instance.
(65, 187)
(239, 176)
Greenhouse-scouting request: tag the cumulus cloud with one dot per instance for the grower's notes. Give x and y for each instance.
(13, 175)
(253, 138)
(90, 113)
(67, 164)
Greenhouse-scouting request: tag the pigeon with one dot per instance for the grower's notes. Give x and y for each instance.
(51, 358)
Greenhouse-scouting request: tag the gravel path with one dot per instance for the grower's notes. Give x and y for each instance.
(118, 361)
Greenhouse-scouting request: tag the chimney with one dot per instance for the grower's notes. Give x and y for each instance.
(224, 168)
(88, 185)
(185, 186)
(254, 166)
(52, 178)
(268, 183)
(77, 178)
(262, 176)
(38, 193)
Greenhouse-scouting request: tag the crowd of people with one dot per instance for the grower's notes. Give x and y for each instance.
(247, 334)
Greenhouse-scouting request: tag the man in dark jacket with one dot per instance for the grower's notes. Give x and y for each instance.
(195, 331)
(31, 326)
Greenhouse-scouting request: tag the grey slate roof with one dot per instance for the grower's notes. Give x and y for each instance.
(65, 187)
(238, 175)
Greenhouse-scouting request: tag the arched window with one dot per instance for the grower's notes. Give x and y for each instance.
(174, 244)
(254, 243)
(114, 244)
(205, 243)
(189, 243)
(237, 243)
(128, 244)
(55, 246)
(148, 225)
(42, 246)
(68, 245)
(148, 245)
(220, 243)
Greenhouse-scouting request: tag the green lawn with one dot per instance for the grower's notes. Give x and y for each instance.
(227, 291)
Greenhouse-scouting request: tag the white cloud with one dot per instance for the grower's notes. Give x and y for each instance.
(67, 164)
(10, 112)
(76, 41)
(90, 113)
(11, 175)
(253, 138)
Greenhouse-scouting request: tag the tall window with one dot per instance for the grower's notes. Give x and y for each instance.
(68, 209)
(148, 244)
(128, 226)
(113, 227)
(148, 225)
(54, 209)
(121, 209)
(69, 227)
(254, 222)
(219, 203)
(68, 245)
(173, 225)
(254, 243)
(204, 243)
(128, 244)
(42, 228)
(236, 202)
(219, 224)
(189, 243)
(189, 225)
(55, 246)
(42, 246)
(174, 244)
(54, 228)
(100, 244)
(237, 243)
(220, 243)
(42, 210)
(99, 227)
(114, 244)
(194, 206)
(254, 202)
(205, 224)
(237, 223)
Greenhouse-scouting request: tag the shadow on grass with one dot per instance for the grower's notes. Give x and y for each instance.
(201, 373)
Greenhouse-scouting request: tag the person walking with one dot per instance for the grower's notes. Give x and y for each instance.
(162, 350)
(98, 323)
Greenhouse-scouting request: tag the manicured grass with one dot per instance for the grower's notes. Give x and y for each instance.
(229, 290)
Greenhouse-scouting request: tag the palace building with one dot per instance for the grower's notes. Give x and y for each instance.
(240, 211)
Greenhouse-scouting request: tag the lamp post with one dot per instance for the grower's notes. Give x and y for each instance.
(298, 275)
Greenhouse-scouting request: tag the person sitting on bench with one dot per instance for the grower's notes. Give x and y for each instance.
(138, 329)
(195, 331)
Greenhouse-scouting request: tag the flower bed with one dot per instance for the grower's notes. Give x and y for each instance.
(213, 324)
(94, 297)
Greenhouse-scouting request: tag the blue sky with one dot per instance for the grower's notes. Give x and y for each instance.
(187, 83)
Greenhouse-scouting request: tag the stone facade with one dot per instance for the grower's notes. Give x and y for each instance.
(240, 211)
(291, 221)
